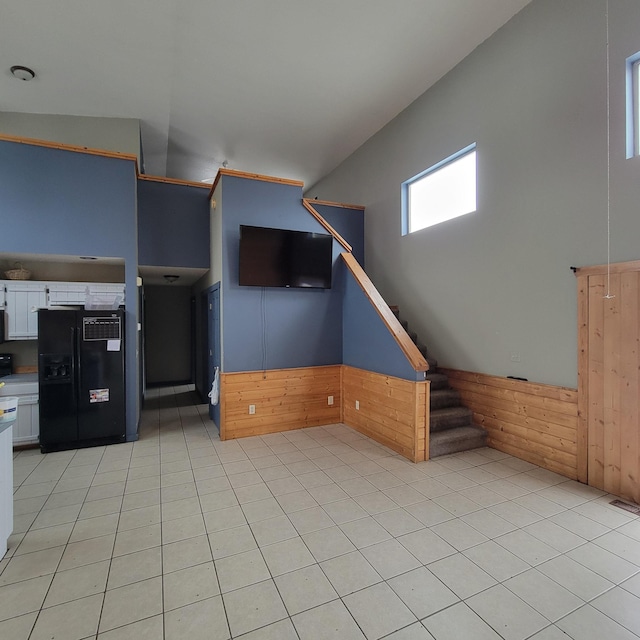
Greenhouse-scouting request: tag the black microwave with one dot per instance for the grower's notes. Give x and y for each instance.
(6, 364)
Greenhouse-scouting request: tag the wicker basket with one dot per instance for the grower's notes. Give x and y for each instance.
(19, 273)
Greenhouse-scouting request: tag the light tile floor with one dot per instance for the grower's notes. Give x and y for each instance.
(312, 534)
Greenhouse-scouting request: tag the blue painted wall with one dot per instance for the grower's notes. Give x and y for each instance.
(54, 201)
(301, 327)
(367, 343)
(61, 202)
(173, 225)
(349, 223)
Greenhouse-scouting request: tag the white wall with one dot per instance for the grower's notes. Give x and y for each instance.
(110, 134)
(533, 97)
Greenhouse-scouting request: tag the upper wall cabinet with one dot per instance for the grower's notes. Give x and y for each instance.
(75, 293)
(23, 299)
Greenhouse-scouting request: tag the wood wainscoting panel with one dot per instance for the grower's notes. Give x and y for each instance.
(609, 377)
(284, 399)
(534, 422)
(392, 411)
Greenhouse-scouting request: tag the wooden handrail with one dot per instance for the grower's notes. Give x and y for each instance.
(341, 205)
(345, 245)
(410, 350)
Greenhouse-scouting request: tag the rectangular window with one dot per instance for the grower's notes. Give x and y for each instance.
(636, 104)
(442, 192)
(633, 106)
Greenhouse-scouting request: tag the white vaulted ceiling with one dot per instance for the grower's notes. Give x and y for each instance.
(282, 87)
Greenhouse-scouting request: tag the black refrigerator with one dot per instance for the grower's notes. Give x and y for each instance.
(81, 378)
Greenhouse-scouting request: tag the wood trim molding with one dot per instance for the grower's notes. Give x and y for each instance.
(603, 269)
(342, 393)
(252, 176)
(326, 225)
(410, 350)
(427, 416)
(340, 205)
(582, 440)
(35, 142)
(222, 427)
(184, 183)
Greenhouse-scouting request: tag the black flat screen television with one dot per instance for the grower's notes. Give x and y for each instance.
(284, 258)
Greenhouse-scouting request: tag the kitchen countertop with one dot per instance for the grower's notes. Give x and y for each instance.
(19, 384)
(20, 377)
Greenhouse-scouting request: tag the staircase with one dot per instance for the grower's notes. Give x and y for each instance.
(451, 423)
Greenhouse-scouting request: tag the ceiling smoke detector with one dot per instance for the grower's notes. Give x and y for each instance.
(23, 73)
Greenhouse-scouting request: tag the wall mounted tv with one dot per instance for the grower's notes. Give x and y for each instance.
(284, 258)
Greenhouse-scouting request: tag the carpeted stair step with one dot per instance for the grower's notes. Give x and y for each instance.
(444, 398)
(438, 380)
(459, 439)
(432, 362)
(450, 418)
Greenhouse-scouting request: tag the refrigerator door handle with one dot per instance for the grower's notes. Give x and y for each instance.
(76, 364)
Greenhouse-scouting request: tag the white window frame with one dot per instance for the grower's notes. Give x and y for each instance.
(407, 226)
(633, 106)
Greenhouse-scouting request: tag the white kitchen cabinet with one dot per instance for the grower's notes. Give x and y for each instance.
(75, 293)
(24, 386)
(26, 428)
(3, 320)
(66, 293)
(23, 299)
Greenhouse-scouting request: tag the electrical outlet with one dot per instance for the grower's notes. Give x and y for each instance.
(515, 356)
(252, 409)
(357, 405)
(330, 400)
